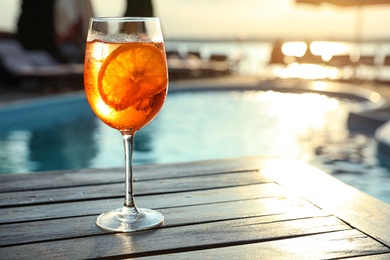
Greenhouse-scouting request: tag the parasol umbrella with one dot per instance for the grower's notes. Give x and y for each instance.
(349, 3)
(71, 18)
(50, 24)
(139, 8)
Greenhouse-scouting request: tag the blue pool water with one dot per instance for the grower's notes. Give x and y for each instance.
(197, 126)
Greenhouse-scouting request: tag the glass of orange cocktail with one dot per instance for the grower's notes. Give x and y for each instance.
(126, 82)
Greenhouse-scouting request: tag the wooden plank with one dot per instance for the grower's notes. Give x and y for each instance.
(353, 206)
(342, 244)
(183, 238)
(93, 207)
(197, 220)
(384, 256)
(60, 179)
(140, 188)
(270, 209)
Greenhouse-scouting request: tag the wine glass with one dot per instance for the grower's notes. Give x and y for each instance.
(126, 82)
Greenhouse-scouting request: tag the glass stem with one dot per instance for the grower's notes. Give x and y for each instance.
(128, 141)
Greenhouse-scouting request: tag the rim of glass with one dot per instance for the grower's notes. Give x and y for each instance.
(122, 19)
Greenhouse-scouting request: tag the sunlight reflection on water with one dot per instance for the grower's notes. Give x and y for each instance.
(211, 125)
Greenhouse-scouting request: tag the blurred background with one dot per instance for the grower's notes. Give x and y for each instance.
(248, 19)
(346, 39)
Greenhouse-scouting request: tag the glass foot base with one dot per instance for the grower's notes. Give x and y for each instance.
(129, 220)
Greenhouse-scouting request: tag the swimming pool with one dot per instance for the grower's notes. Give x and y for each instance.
(197, 125)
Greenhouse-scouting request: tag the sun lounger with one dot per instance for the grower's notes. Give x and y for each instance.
(19, 65)
(193, 65)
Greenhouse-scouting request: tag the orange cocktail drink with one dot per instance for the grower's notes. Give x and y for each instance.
(125, 83)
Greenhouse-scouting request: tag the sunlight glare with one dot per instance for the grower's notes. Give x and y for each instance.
(296, 118)
(297, 49)
(306, 71)
(375, 97)
(320, 85)
(309, 111)
(327, 49)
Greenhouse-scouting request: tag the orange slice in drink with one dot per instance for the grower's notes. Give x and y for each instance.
(131, 75)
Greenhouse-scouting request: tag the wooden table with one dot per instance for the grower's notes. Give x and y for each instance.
(237, 208)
